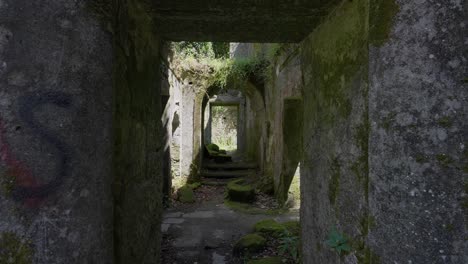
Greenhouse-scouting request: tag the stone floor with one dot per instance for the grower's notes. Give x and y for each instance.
(205, 233)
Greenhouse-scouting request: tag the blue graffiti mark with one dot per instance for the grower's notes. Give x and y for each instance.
(27, 104)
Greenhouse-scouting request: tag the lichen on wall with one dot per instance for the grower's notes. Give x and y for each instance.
(13, 249)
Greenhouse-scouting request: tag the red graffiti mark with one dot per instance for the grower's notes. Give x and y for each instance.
(23, 176)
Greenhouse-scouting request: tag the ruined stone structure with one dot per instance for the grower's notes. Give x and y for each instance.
(90, 116)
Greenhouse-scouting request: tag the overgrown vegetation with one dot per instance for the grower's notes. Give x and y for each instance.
(289, 245)
(280, 243)
(209, 64)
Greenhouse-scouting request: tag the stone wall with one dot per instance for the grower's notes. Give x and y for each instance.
(138, 144)
(334, 173)
(56, 104)
(79, 158)
(385, 106)
(172, 121)
(419, 131)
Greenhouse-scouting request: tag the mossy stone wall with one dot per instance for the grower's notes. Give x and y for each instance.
(334, 172)
(138, 135)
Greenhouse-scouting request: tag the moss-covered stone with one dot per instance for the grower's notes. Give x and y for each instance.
(212, 148)
(381, 17)
(185, 194)
(268, 260)
(250, 243)
(293, 227)
(334, 184)
(14, 250)
(445, 122)
(240, 191)
(7, 181)
(269, 226)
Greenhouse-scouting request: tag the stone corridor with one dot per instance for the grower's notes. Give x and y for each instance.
(104, 125)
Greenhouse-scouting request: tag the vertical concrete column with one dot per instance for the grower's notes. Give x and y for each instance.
(55, 133)
(418, 105)
(187, 144)
(241, 124)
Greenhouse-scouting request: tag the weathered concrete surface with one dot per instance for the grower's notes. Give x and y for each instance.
(55, 132)
(419, 134)
(138, 143)
(172, 87)
(334, 173)
(270, 133)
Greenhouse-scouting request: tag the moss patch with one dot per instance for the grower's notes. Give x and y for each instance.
(445, 122)
(270, 227)
(444, 160)
(240, 191)
(381, 18)
(250, 243)
(7, 182)
(293, 227)
(212, 147)
(185, 194)
(421, 158)
(334, 184)
(14, 250)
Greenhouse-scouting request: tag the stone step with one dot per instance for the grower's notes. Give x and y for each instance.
(221, 174)
(230, 166)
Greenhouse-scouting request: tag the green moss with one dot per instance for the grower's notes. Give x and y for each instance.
(421, 158)
(269, 226)
(334, 183)
(240, 191)
(367, 256)
(267, 260)
(8, 181)
(185, 194)
(338, 51)
(14, 250)
(293, 227)
(445, 122)
(212, 147)
(250, 243)
(444, 160)
(381, 17)
(361, 166)
(367, 222)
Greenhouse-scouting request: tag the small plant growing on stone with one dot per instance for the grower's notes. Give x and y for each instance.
(338, 242)
(289, 245)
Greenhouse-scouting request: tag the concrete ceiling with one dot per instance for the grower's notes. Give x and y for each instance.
(238, 20)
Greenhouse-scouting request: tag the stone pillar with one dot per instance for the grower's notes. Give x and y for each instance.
(56, 99)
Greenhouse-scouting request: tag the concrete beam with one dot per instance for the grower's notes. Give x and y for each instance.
(238, 21)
